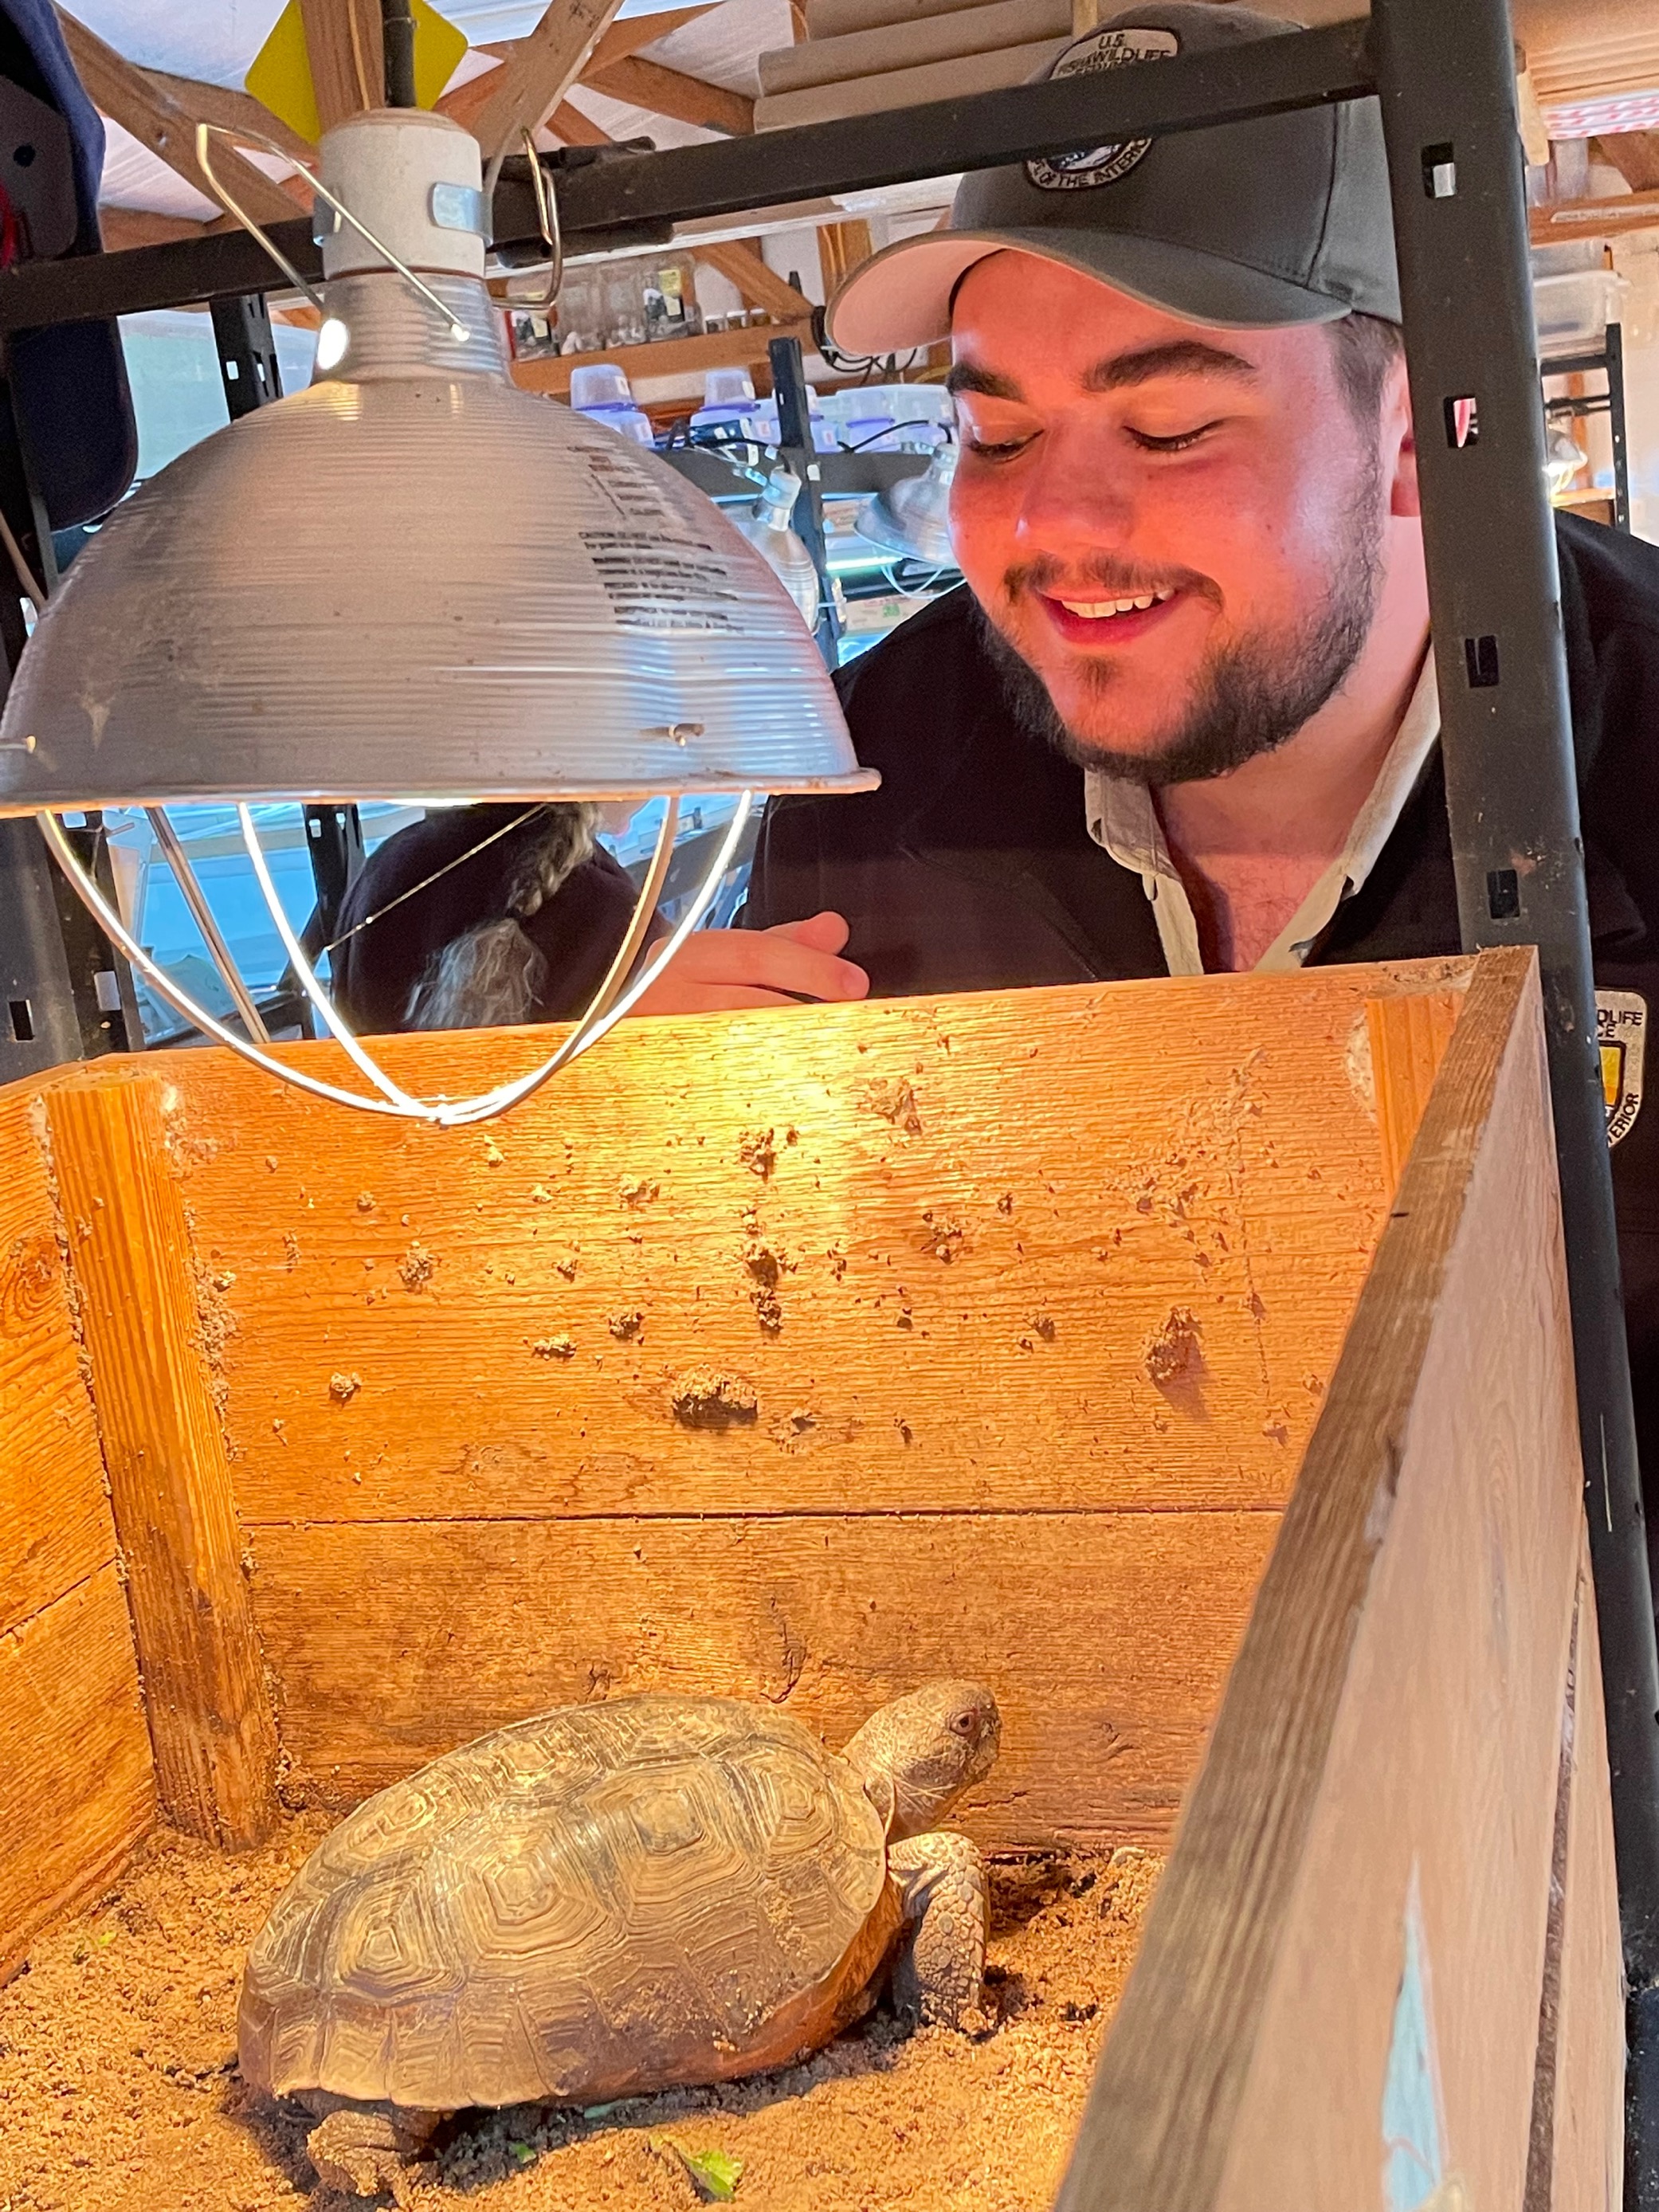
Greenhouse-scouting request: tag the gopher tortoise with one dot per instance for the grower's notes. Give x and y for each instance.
(613, 1898)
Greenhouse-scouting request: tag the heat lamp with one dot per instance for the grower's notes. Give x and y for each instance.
(414, 581)
(913, 518)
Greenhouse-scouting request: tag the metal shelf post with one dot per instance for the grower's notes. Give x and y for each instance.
(1445, 76)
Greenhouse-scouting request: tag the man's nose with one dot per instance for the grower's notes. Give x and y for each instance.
(1077, 500)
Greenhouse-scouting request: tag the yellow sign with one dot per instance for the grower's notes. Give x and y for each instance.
(280, 78)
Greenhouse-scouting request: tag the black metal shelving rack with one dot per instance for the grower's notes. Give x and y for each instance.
(1606, 360)
(1443, 75)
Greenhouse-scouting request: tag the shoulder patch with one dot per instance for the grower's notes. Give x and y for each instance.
(1621, 1034)
(1102, 165)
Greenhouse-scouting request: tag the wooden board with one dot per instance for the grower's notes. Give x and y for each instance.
(55, 1527)
(76, 1791)
(979, 1302)
(745, 348)
(908, 88)
(151, 1326)
(1584, 2150)
(1386, 1752)
(939, 38)
(1105, 1638)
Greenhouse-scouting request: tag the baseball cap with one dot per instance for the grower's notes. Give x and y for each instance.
(1284, 219)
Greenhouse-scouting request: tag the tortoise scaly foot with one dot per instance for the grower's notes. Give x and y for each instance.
(938, 1976)
(362, 2152)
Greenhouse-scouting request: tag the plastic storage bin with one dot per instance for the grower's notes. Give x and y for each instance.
(1573, 310)
(603, 394)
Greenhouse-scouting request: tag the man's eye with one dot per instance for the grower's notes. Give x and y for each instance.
(1003, 449)
(1178, 442)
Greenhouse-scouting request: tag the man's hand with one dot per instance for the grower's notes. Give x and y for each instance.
(719, 968)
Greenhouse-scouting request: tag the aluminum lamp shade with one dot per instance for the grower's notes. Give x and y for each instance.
(913, 518)
(414, 581)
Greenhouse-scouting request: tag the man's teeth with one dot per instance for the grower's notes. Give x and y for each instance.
(1099, 610)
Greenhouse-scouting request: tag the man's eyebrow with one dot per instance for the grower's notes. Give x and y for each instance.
(1180, 357)
(965, 377)
(1119, 372)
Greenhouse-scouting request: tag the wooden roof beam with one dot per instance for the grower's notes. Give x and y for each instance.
(622, 41)
(232, 111)
(741, 264)
(664, 91)
(347, 57)
(166, 124)
(526, 89)
(1635, 155)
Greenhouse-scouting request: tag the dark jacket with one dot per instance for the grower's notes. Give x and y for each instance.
(972, 867)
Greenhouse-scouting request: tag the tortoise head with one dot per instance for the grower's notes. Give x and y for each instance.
(916, 1756)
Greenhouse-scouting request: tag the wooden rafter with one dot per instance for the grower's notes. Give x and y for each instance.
(741, 264)
(1635, 155)
(165, 125)
(624, 39)
(232, 109)
(543, 70)
(348, 65)
(665, 91)
(124, 226)
(842, 247)
(568, 123)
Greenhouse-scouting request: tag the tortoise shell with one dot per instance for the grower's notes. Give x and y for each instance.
(596, 1903)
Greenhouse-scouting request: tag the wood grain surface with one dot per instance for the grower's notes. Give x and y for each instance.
(1393, 1722)
(939, 1240)
(76, 1792)
(1104, 1636)
(76, 1788)
(1586, 2099)
(151, 1331)
(1409, 1037)
(55, 1527)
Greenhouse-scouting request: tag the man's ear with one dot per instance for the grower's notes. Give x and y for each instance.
(1399, 447)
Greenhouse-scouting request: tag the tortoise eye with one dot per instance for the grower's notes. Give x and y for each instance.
(964, 1723)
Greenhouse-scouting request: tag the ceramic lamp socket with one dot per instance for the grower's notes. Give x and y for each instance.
(415, 179)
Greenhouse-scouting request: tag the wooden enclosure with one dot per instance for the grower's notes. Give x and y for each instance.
(1188, 1360)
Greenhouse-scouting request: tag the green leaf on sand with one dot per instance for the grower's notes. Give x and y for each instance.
(714, 2174)
(525, 2153)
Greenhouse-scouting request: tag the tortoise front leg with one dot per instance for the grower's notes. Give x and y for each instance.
(938, 1976)
(363, 2149)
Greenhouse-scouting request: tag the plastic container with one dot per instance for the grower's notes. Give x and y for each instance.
(603, 394)
(1574, 309)
(762, 420)
(766, 525)
(580, 326)
(889, 418)
(622, 292)
(728, 400)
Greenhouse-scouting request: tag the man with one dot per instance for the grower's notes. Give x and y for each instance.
(1183, 716)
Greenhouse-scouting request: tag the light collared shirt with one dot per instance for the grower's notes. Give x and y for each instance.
(1123, 818)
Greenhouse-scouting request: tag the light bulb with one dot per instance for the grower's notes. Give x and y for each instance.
(331, 342)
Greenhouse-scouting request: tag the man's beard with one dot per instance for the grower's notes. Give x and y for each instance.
(1250, 695)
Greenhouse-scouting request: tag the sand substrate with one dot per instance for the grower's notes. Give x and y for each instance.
(118, 2090)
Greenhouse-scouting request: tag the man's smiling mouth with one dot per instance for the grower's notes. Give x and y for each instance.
(1104, 609)
(1117, 620)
